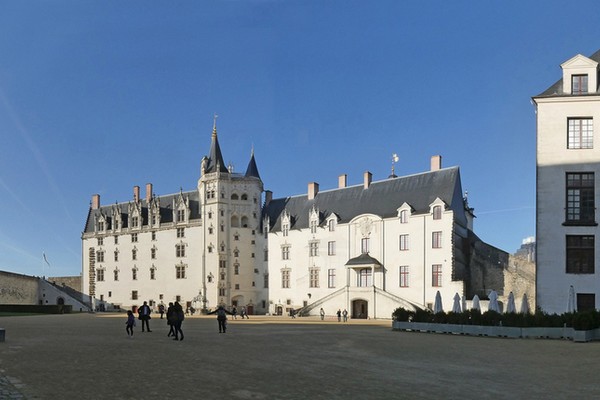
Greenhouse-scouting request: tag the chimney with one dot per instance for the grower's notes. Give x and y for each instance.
(367, 180)
(148, 192)
(136, 193)
(342, 181)
(436, 163)
(95, 202)
(268, 197)
(313, 189)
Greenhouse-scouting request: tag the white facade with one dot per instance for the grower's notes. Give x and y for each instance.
(568, 168)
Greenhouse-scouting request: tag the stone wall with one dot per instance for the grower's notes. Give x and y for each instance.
(487, 266)
(18, 289)
(519, 278)
(74, 282)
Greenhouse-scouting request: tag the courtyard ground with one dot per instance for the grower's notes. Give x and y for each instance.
(89, 356)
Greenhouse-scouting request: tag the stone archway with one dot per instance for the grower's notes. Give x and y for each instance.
(60, 301)
(360, 309)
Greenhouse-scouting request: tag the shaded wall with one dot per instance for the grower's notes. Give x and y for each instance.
(18, 289)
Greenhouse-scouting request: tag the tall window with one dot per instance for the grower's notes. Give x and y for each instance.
(116, 274)
(134, 254)
(313, 226)
(100, 225)
(364, 245)
(436, 240)
(134, 274)
(314, 278)
(403, 242)
(580, 254)
(331, 248)
(436, 275)
(180, 232)
(99, 256)
(134, 238)
(100, 275)
(404, 217)
(116, 240)
(134, 295)
(180, 271)
(579, 84)
(331, 225)
(313, 249)
(134, 222)
(152, 273)
(116, 255)
(153, 235)
(285, 279)
(285, 229)
(331, 278)
(153, 253)
(236, 269)
(100, 241)
(581, 133)
(580, 197)
(285, 252)
(266, 281)
(365, 277)
(180, 250)
(437, 212)
(404, 276)
(180, 215)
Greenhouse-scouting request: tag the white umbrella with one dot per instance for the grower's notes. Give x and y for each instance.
(456, 305)
(437, 306)
(476, 305)
(510, 307)
(464, 303)
(524, 304)
(493, 306)
(571, 301)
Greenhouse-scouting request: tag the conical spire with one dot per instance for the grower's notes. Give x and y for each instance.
(252, 169)
(215, 158)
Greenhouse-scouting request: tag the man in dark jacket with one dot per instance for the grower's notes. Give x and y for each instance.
(144, 316)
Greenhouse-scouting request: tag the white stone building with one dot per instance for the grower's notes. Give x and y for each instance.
(369, 248)
(568, 162)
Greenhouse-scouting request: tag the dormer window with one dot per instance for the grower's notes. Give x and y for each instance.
(404, 217)
(437, 212)
(285, 229)
(579, 84)
(180, 215)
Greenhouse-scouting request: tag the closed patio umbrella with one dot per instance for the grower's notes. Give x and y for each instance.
(493, 306)
(437, 306)
(476, 305)
(524, 304)
(456, 306)
(510, 307)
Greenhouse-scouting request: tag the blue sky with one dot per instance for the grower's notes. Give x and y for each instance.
(96, 97)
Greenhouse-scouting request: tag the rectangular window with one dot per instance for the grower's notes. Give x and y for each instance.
(285, 229)
(153, 235)
(180, 215)
(116, 240)
(331, 278)
(180, 232)
(237, 286)
(404, 276)
(134, 295)
(364, 245)
(221, 291)
(153, 253)
(580, 254)
(285, 252)
(152, 273)
(586, 302)
(134, 222)
(180, 272)
(116, 275)
(579, 84)
(404, 217)
(134, 238)
(436, 240)
(331, 248)
(134, 254)
(285, 279)
(265, 255)
(266, 281)
(314, 278)
(581, 133)
(403, 242)
(436, 275)
(116, 255)
(236, 269)
(100, 241)
(100, 256)
(134, 274)
(100, 275)
(180, 250)
(580, 198)
(313, 226)
(314, 249)
(331, 225)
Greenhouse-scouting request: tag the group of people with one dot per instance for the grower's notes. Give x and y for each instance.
(340, 314)
(175, 317)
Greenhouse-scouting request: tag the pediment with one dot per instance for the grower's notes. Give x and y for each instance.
(579, 61)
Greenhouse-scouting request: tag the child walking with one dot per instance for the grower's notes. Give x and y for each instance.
(130, 323)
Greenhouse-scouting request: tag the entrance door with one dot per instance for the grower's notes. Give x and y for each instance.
(250, 310)
(360, 309)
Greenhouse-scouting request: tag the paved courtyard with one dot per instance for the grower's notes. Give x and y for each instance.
(89, 356)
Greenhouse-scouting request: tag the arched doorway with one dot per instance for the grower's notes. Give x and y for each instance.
(360, 309)
(60, 301)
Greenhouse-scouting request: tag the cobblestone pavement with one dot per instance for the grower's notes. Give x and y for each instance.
(89, 356)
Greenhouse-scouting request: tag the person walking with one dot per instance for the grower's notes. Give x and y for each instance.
(322, 313)
(144, 316)
(161, 310)
(234, 312)
(244, 313)
(345, 315)
(130, 323)
(339, 315)
(179, 317)
(221, 318)
(171, 320)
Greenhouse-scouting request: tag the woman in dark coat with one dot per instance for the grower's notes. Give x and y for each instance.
(171, 320)
(179, 317)
(221, 318)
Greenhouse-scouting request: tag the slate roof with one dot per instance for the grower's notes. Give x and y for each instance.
(215, 158)
(363, 259)
(166, 210)
(557, 89)
(252, 170)
(382, 198)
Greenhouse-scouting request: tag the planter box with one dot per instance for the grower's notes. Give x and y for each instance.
(586, 336)
(499, 331)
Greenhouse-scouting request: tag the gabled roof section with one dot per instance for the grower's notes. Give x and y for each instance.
(578, 61)
(252, 170)
(215, 162)
(382, 198)
(363, 259)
